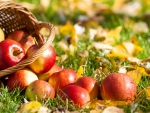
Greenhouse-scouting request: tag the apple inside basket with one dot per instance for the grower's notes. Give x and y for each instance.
(15, 17)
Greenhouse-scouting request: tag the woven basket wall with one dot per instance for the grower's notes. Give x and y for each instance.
(14, 17)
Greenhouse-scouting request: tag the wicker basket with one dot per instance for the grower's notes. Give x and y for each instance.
(13, 17)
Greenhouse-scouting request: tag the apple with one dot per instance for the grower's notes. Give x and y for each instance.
(17, 35)
(45, 76)
(75, 93)
(62, 78)
(118, 87)
(90, 84)
(43, 63)
(2, 35)
(39, 90)
(21, 79)
(11, 53)
(24, 38)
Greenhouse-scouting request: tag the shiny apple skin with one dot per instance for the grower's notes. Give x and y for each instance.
(21, 79)
(43, 63)
(77, 94)
(118, 87)
(90, 84)
(11, 53)
(62, 78)
(39, 90)
(45, 76)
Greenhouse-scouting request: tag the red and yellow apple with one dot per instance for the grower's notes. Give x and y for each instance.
(90, 84)
(39, 90)
(24, 38)
(118, 87)
(75, 93)
(11, 53)
(62, 78)
(45, 76)
(21, 79)
(43, 63)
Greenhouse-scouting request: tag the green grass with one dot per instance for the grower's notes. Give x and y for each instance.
(11, 101)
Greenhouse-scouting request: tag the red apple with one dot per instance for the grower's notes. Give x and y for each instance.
(90, 84)
(45, 76)
(75, 93)
(62, 78)
(11, 53)
(23, 38)
(21, 79)
(118, 87)
(43, 63)
(17, 35)
(39, 90)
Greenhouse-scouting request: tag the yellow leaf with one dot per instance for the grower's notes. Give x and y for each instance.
(69, 30)
(131, 48)
(148, 92)
(142, 71)
(135, 75)
(113, 35)
(104, 103)
(119, 51)
(28, 107)
(118, 4)
(80, 71)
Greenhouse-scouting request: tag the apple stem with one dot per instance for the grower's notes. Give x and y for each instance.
(17, 52)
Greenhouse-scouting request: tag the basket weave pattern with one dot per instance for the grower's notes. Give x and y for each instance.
(14, 17)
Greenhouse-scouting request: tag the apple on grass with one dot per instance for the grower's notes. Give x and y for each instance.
(11, 53)
(21, 79)
(43, 63)
(90, 84)
(39, 90)
(45, 76)
(62, 78)
(75, 93)
(24, 38)
(118, 87)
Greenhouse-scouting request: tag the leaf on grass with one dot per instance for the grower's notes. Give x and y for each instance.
(119, 51)
(131, 48)
(130, 8)
(125, 50)
(113, 109)
(80, 72)
(113, 35)
(148, 92)
(27, 107)
(145, 90)
(101, 104)
(140, 27)
(69, 30)
(135, 75)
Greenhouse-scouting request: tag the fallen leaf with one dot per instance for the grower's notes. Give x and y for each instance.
(96, 103)
(135, 75)
(27, 107)
(80, 71)
(113, 109)
(131, 48)
(113, 35)
(119, 51)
